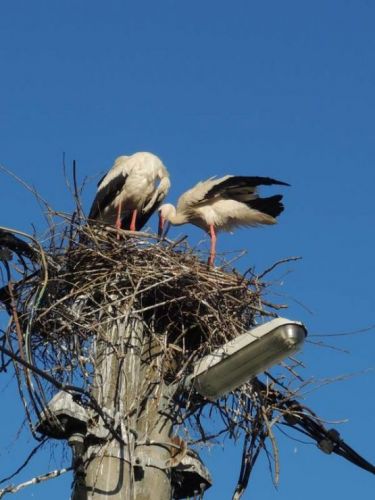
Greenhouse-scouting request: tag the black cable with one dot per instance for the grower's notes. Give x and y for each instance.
(328, 440)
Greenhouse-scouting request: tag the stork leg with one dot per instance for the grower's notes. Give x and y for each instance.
(118, 220)
(211, 259)
(134, 218)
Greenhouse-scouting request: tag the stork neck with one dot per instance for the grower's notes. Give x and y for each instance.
(176, 219)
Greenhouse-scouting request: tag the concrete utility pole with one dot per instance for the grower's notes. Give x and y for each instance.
(127, 386)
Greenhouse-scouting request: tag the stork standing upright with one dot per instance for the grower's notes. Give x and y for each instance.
(131, 191)
(223, 204)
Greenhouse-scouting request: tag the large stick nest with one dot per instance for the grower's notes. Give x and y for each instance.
(99, 275)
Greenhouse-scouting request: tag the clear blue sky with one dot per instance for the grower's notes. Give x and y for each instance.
(282, 89)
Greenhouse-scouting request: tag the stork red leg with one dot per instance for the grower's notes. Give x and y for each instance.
(118, 220)
(211, 259)
(134, 218)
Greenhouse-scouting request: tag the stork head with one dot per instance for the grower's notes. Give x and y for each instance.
(166, 214)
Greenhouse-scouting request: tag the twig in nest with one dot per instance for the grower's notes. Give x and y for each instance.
(278, 263)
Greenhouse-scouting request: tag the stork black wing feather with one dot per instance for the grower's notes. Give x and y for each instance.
(107, 194)
(102, 179)
(237, 182)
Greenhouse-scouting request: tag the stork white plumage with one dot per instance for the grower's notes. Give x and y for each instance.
(131, 191)
(223, 204)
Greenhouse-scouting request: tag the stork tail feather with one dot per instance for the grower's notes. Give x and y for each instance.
(270, 206)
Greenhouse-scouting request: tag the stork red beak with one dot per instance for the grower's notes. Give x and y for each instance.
(167, 225)
(163, 227)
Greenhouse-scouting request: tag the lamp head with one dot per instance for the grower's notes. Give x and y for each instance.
(244, 357)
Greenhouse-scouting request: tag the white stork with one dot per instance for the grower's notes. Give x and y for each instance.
(222, 204)
(131, 191)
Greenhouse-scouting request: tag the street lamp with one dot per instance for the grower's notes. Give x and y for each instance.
(242, 358)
